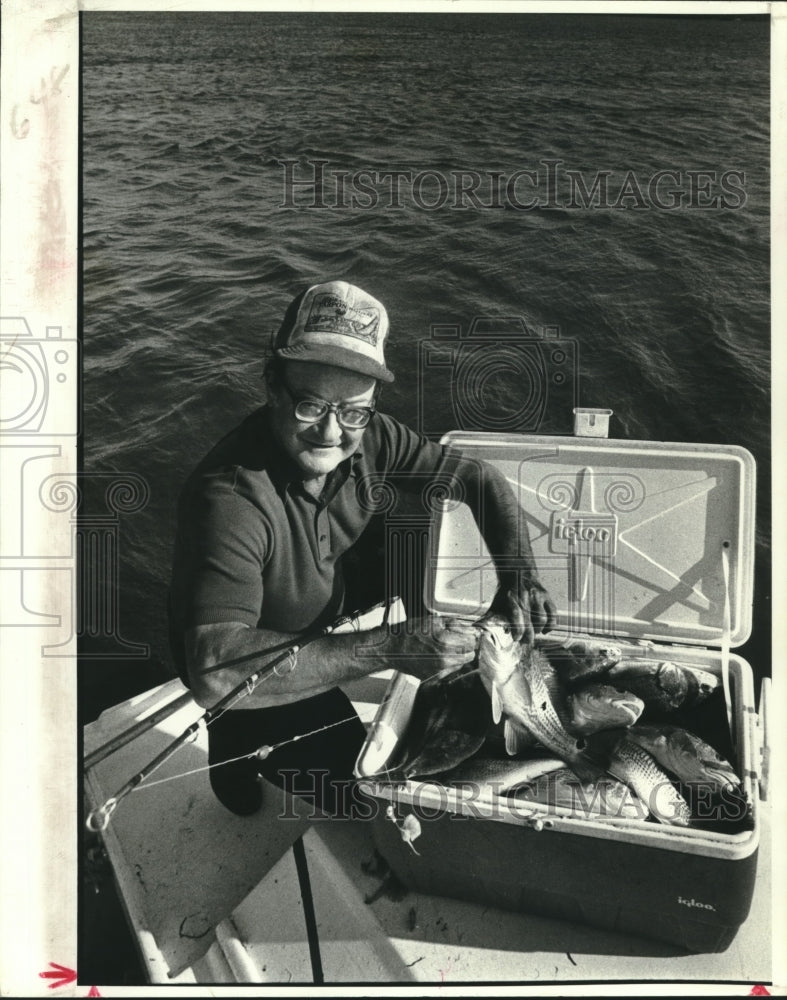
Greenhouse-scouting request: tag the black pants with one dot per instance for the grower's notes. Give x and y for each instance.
(318, 768)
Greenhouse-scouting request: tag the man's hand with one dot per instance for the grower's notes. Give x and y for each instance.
(428, 646)
(527, 611)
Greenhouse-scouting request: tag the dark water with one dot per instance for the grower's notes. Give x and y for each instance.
(190, 256)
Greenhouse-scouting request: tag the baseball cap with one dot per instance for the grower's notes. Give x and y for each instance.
(336, 323)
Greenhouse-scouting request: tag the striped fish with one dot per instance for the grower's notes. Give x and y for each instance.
(515, 675)
(628, 762)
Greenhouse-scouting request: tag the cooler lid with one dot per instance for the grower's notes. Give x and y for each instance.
(646, 540)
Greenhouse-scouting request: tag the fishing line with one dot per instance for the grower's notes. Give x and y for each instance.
(98, 819)
(196, 770)
(302, 736)
(204, 722)
(258, 754)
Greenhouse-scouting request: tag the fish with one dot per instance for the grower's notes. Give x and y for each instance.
(628, 762)
(517, 740)
(445, 726)
(497, 775)
(514, 674)
(601, 706)
(663, 684)
(578, 660)
(687, 756)
(591, 708)
(606, 797)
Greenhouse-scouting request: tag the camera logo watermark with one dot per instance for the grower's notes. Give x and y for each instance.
(39, 376)
(550, 184)
(498, 375)
(59, 557)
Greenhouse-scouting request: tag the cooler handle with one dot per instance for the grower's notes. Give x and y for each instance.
(725, 638)
(763, 723)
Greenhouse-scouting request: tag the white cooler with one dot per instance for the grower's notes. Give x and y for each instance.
(643, 543)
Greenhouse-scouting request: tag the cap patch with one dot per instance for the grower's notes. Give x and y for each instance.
(331, 314)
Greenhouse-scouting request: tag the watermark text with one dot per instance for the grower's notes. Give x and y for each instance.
(549, 184)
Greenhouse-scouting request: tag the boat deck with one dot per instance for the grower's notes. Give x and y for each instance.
(216, 898)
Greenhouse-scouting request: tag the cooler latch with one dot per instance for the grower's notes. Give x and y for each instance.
(589, 422)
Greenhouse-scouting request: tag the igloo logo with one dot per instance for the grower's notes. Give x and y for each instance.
(696, 904)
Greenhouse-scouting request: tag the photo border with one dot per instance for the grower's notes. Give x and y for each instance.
(39, 224)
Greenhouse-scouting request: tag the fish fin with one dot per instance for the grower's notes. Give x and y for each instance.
(677, 818)
(511, 738)
(497, 705)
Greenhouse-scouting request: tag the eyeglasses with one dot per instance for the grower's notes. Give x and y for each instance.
(310, 411)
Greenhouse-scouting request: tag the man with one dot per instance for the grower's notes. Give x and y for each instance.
(263, 525)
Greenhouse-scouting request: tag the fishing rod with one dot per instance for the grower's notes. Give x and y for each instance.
(98, 819)
(137, 729)
(181, 701)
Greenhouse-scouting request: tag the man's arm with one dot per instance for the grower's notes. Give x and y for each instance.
(221, 656)
(521, 597)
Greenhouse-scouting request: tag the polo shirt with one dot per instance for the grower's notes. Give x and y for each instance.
(252, 546)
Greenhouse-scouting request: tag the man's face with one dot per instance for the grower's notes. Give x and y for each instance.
(317, 448)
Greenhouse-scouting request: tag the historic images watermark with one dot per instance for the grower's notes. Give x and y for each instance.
(553, 794)
(549, 184)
